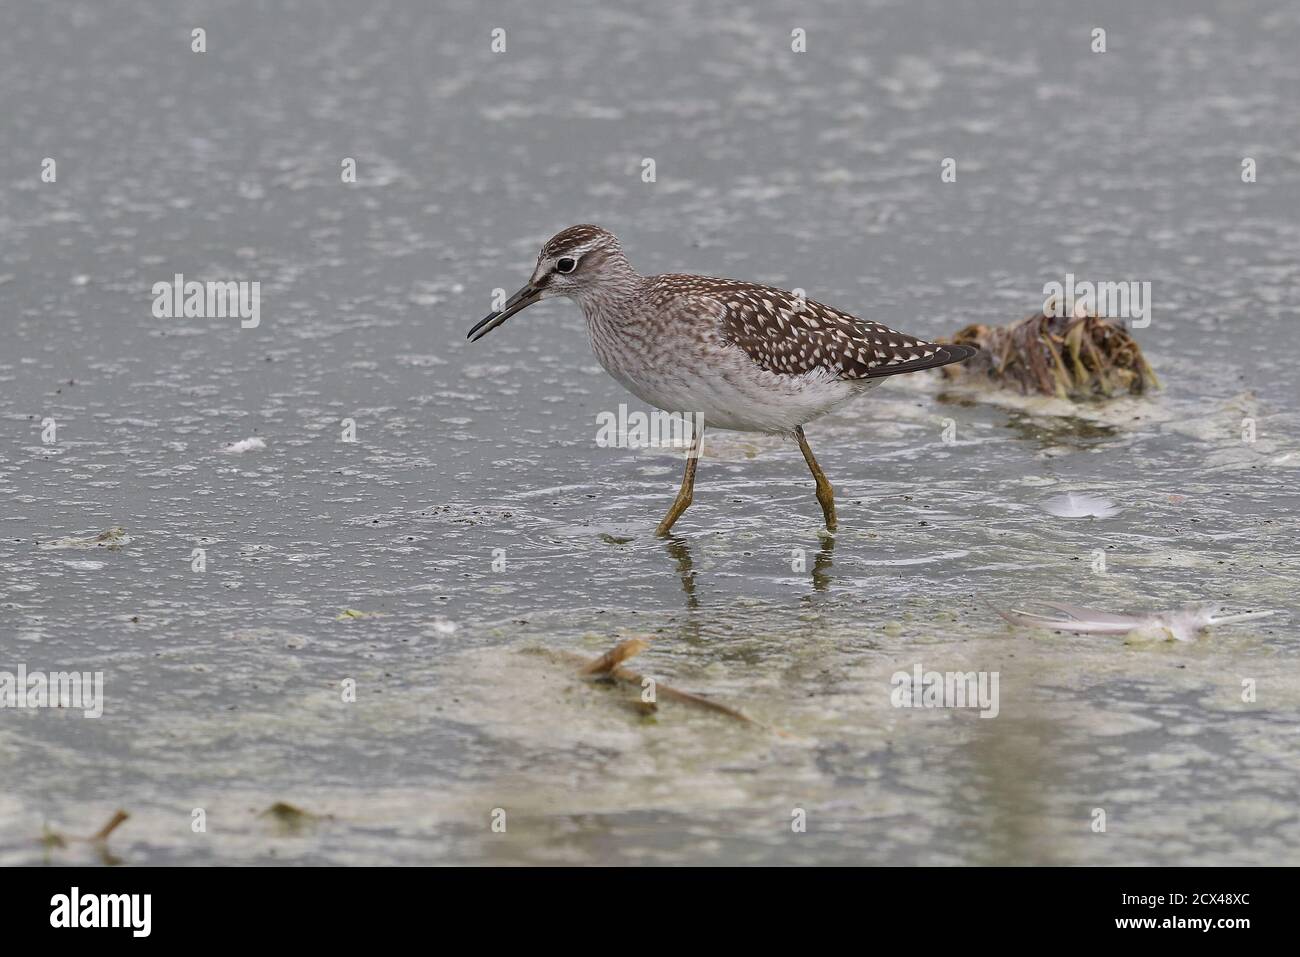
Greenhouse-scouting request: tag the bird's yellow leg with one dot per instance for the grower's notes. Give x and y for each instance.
(684, 494)
(825, 494)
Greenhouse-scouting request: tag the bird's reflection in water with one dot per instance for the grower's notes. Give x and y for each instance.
(821, 570)
(680, 551)
(691, 625)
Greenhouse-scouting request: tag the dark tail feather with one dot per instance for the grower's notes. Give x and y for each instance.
(946, 355)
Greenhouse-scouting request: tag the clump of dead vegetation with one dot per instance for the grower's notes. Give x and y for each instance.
(1073, 356)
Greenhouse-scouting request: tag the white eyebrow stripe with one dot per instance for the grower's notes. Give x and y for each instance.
(576, 253)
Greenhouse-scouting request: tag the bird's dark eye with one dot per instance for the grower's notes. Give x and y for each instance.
(566, 264)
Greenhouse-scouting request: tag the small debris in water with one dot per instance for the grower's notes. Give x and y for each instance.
(119, 816)
(51, 839)
(245, 445)
(609, 667)
(291, 819)
(351, 614)
(112, 538)
(615, 656)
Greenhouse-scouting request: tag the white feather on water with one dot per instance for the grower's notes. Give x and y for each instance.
(1185, 623)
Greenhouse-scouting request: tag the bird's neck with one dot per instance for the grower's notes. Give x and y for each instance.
(605, 303)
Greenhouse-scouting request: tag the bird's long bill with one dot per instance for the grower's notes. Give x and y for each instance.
(518, 302)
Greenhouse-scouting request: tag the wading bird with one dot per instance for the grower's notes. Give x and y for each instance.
(727, 354)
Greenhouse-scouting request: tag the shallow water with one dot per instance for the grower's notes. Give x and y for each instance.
(818, 170)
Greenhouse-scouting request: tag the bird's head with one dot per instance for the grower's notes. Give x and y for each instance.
(575, 262)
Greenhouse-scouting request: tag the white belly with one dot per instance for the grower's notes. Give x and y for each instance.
(729, 390)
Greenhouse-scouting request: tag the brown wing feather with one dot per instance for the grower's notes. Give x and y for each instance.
(783, 333)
